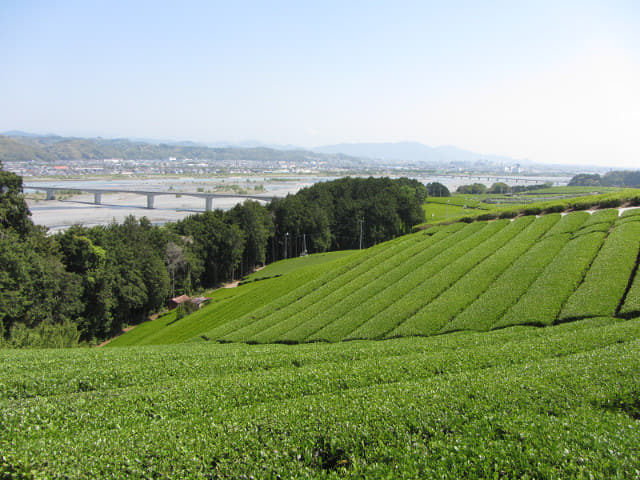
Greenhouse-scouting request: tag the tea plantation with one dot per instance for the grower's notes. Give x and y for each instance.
(262, 383)
(477, 276)
(520, 402)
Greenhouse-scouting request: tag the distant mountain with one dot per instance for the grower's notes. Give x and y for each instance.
(19, 133)
(254, 144)
(411, 152)
(24, 148)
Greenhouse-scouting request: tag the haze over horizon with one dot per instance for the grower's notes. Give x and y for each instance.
(546, 82)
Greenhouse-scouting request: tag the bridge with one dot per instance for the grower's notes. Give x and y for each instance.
(98, 192)
(488, 178)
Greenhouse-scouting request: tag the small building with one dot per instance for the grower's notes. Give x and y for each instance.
(175, 301)
(200, 301)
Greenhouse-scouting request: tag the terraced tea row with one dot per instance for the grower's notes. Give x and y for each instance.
(476, 276)
(446, 406)
(314, 290)
(431, 318)
(334, 289)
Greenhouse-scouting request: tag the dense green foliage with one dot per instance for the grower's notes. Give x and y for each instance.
(35, 288)
(335, 215)
(522, 402)
(616, 178)
(436, 189)
(474, 188)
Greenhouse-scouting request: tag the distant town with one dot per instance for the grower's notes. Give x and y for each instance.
(67, 157)
(187, 166)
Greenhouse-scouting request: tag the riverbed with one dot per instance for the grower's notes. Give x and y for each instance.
(70, 209)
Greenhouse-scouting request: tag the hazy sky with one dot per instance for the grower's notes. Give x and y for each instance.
(555, 81)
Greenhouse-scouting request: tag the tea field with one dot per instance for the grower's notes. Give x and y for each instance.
(519, 402)
(261, 383)
(465, 276)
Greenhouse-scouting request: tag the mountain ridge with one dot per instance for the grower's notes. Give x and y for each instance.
(411, 151)
(24, 147)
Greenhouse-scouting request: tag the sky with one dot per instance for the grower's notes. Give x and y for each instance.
(547, 81)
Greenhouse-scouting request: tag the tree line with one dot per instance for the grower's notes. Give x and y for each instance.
(615, 178)
(85, 284)
(500, 188)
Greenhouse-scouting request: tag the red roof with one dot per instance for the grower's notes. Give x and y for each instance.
(180, 299)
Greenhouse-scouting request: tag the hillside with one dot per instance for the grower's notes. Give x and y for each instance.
(520, 402)
(478, 276)
(55, 149)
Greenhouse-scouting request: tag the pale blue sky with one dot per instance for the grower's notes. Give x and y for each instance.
(548, 81)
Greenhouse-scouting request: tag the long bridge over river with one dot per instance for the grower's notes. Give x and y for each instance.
(511, 180)
(98, 192)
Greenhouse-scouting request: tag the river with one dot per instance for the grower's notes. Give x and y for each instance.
(67, 210)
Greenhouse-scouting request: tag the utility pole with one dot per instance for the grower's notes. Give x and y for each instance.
(361, 222)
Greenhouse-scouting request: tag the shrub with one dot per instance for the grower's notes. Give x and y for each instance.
(555, 208)
(185, 308)
(532, 210)
(610, 203)
(488, 216)
(509, 214)
(44, 335)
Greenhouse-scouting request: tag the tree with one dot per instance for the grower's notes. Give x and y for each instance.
(34, 285)
(176, 262)
(257, 225)
(14, 213)
(499, 187)
(586, 180)
(215, 242)
(473, 189)
(89, 261)
(437, 189)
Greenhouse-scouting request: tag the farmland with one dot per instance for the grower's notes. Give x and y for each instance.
(557, 402)
(477, 276)
(261, 384)
(468, 207)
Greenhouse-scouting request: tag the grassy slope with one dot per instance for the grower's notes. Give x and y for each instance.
(228, 303)
(555, 199)
(291, 265)
(475, 276)
(521, 402)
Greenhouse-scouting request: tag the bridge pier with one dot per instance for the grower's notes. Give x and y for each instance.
(51, 195)
(208, 204)
(150, 198)
(97, 198)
